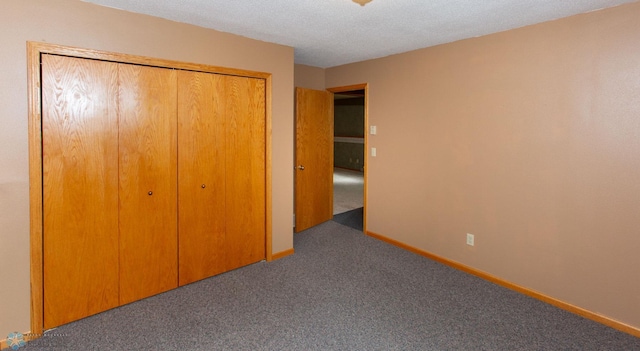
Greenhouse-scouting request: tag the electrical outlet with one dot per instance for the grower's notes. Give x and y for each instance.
(470, 239)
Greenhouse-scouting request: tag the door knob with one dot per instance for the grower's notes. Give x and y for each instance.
(301, 167)
(203, 186)
(150, 193)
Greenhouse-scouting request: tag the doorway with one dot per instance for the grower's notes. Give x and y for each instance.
(349, 159)
(314, 157)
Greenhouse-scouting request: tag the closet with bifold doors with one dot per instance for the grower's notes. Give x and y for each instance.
(152, 178)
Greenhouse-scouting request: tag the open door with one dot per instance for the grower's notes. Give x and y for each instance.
(314, 158)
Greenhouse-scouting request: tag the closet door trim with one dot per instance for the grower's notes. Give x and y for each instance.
(34, 52)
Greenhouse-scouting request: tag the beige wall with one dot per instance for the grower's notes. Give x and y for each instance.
(308, 77)
(75, 23)
(529, 139)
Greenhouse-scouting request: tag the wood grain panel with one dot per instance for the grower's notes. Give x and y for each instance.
(243, 102)
(142, 60)
(201, 176)
(35, 52)
(147, 156)
(80, 184)
(314, 151)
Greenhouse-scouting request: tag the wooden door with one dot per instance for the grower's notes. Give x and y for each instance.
(314, 158)
(201, 176)
(80, 187)
(242, 102)
(147, 181)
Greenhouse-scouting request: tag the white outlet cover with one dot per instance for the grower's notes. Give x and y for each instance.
(470, 239)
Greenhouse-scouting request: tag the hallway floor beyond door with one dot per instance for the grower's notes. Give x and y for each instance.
(348, 190)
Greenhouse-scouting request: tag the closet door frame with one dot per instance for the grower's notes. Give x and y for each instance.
(34, 52)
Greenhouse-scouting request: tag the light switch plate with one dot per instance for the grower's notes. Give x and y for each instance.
(373, 130)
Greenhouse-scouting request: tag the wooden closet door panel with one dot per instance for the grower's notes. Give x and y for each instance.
(201, 182)
(147, 180)
(244, 105)
(80, 187)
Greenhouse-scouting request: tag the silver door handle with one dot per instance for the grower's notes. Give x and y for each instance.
(301, 167)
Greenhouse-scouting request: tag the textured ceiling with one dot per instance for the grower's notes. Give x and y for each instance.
(328, 33)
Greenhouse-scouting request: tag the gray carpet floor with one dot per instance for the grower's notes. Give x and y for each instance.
(341, 290)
